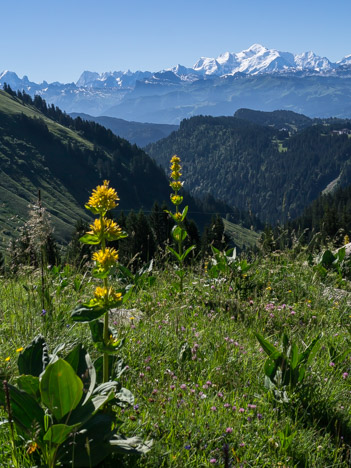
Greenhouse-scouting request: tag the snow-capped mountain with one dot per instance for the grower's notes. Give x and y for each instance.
(258, 59)
(117, 79)
(346, 61)
(218, 86)
(255, 60)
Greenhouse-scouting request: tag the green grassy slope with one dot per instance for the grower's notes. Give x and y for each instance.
(240, 235)
(22, 173)
(39, 153)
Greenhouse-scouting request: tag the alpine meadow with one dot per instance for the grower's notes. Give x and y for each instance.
(175, 265)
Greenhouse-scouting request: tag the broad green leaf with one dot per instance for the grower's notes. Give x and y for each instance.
(74, 358)
(91, 239)
(176, 254)
(302, 371)
(229, 252)
(130, 445)
(272, 364)
(97, 431)
(81, 363)
(184, 213)
(187, 252)
(311, 351)
(84, 313)
(215, 250)
(340, 255)
(83, 413)
(112, 237)
(30, 385)
(119, 368)
(124, 397)
(327, 258)
(106, 387)
(61, 389)
(266, 345)
(95, 211)
(294, 359)
(285, 343)
(58, 433)
(97, 333)
(34, 358)
(26, 411)
(179, 234)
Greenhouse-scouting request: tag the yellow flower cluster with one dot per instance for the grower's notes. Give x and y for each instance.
(106, 258)
(103, 198)
(175, 175)
(176, 185)
(176, 199)
(107, 294)
(175, 169)
(175, 159)
(108, 227)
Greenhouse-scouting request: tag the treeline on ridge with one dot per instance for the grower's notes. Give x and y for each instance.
(327, 220)
(272, 172)
(148, 235)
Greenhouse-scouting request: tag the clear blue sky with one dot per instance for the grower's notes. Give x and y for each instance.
(56, 40)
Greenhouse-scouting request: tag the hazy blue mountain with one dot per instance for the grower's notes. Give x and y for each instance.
(257, 78)
(135, 132)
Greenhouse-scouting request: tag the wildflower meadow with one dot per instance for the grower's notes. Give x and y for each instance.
(229, 360)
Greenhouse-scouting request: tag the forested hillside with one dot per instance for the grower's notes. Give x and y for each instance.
(135, 132)
(42, 148)
(329, 215)
(273, 173)
(63, 158)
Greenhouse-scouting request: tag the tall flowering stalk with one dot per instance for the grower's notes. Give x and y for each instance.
(102, 200)
(179, 233)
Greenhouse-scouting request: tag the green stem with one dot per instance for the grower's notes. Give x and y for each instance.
(180, 251)
(105, 372)
(180, 247)
(105, 355)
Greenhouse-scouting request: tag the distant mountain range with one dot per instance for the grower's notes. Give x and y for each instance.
(261, 78)
(135, 132)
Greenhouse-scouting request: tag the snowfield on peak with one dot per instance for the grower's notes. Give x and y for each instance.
(258, 59)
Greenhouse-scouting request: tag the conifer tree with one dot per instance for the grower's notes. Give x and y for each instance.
(78, 253)
(214, 235)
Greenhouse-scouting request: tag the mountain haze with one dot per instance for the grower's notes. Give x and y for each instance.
(136, 132)
(260, 78)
